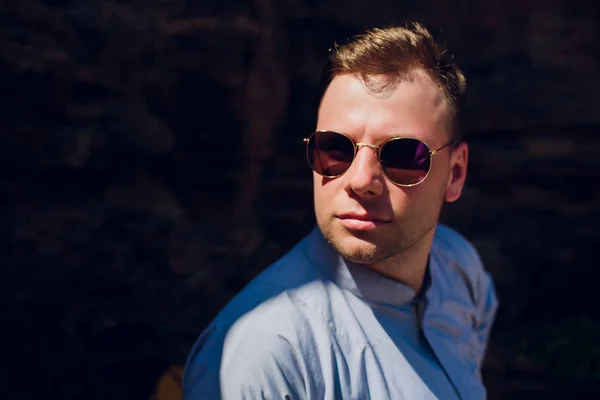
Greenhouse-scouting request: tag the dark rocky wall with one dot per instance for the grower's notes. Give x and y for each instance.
(152, 163)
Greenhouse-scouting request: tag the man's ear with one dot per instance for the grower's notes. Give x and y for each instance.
(459, 158)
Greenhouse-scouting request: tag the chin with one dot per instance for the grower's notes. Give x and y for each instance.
(362, 253)
(357, 246)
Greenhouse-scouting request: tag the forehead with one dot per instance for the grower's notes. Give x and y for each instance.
(414, 106)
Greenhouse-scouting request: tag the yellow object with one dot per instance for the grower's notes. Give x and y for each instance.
(169, 385)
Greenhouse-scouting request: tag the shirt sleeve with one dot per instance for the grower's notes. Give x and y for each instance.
(487, 308)
(251, 365)
(484, 298)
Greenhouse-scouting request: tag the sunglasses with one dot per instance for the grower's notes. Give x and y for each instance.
(405, 161)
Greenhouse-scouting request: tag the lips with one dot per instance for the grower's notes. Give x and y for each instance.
(362, 217)
(361, 221)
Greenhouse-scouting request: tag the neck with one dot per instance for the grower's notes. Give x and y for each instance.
(409, 266)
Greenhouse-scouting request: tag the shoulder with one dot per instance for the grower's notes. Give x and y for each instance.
(453, 243)
(279, 292)
(259, 334)
(457, 251)
(258, 353)
(249, 358)
(460, 259)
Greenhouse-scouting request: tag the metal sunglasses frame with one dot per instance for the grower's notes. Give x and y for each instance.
(358, 145)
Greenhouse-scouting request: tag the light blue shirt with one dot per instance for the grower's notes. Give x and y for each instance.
(315, 326)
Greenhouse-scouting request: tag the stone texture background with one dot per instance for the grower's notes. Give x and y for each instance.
(152, 163)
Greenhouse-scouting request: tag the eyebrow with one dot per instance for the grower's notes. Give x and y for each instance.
(386, 136)
(389, 136)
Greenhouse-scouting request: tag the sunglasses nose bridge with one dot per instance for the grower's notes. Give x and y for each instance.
(371, 146)
(374, 147)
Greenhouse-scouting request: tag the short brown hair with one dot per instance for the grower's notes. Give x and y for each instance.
(395, 52)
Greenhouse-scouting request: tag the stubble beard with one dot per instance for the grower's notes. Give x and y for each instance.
(367, 248)
(375, 247)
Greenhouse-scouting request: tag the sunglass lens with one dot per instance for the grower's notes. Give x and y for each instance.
(405, 161)
(329, 153)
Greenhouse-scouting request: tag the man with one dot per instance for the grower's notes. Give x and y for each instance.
(379, 301)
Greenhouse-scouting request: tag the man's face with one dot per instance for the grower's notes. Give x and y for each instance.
(366, 217)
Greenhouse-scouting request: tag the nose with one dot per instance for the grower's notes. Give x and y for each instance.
(365, 177)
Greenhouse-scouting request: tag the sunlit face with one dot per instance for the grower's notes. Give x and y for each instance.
(367, 218)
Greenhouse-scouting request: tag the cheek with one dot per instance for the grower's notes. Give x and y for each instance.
(420, 202)
(321, 194)
(408, 203)
(400, 203)
(438, 176)
(325, 191)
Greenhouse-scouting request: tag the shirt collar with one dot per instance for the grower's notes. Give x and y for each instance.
(355, 278)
